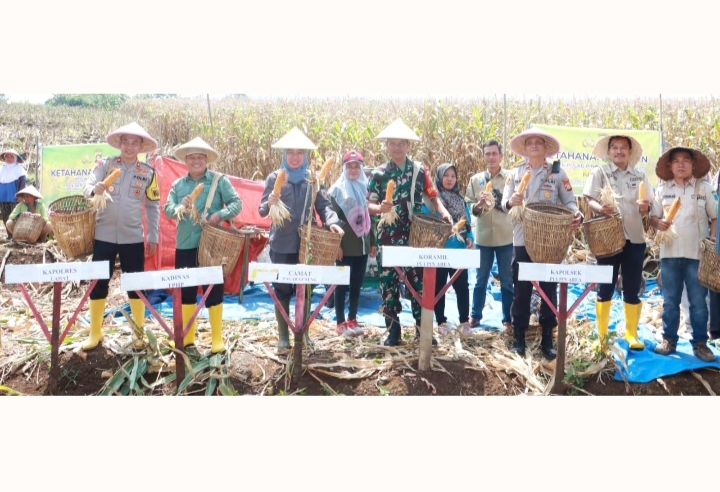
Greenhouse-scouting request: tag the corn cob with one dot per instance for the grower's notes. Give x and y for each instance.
(524, 183)
(325, 170)
(674, 208)
(279, 212)
(489, 201)
(112, 177)
(389, 218)
(99, 202)
(516, 212)
(180, 209)
(642, 192)
(665, 237)
(458, 228)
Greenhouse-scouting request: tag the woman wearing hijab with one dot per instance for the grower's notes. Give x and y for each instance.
(12, 180)
(449, 194)
(285, 239)
(349, 200)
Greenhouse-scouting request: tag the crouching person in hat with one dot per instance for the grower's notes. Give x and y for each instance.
(544, 186)
(119, 230)
(682, 170)
(412, 180)
(223, 204)
(623, 177)
(29, 203)
(285, 237)
(13, 178)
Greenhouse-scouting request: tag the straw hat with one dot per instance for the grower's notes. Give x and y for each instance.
(601, 149)
(399, 130)
(149, 144)
(701, 164)
(18, 157)
(517, 144)
(196, 146)
(29, 190)
(294, 139)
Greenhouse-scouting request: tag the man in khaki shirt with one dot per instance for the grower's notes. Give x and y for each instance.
(493, 232)
(622, 175)
(682, 170)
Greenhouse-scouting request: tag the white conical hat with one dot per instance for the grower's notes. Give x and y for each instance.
(149, 144)
(398, 129)
(517, 144)
(30, 190)
(196, 146)
(18, 157)
(294, 139)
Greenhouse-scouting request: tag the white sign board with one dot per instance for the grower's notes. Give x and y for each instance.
(567, 274)
(299, 274)
(57, 272)
(170, 279)
(405, 256)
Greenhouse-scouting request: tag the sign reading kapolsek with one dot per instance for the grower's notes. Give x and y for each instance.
(566, 274)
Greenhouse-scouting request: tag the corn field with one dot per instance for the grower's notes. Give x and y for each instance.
(243, 130)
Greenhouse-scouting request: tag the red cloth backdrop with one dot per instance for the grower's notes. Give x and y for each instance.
(250, 192)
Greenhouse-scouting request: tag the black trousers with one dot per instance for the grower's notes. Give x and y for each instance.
(462, 291)
(132, 260)
(630, 261)
(523, 294)
(357, 265)
(187, 258)
(284, 291)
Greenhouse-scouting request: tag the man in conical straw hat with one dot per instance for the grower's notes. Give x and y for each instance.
(681, 170)
(224, 205)
(547, 186)
(613, 188)
(412, 181)
(119, 230)
(285, 239)
(13, 178)
(29, 198)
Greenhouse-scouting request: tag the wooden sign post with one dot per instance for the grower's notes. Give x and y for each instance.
(175, 280)
(300, 275)
(57, 273)
(564, 275)
(429, 259)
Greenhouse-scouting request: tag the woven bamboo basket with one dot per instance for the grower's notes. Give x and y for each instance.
(709, 270)
(220, 246)
(605, 235)
(323, 246)
(428, 231)
(73, 224)
(28, 228)
(548, 231)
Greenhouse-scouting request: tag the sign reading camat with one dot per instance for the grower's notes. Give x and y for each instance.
(299, 274)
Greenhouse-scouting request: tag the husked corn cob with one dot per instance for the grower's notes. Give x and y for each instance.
(665, 237)
(389, 218)
(112, 177)
(674, 208)
(326, 169)
(180, 210)
(524, 183)
(280, 182)
(279, 212)
(642, 192)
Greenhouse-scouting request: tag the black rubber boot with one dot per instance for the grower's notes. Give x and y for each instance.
(393, 339)
(283, 333)
(518, 346)
(546, 344)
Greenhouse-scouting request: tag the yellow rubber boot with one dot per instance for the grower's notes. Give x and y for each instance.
(187, 312)
(632, 318)
(97, 309)
(137, 308)
(215, 314)
(602, 316)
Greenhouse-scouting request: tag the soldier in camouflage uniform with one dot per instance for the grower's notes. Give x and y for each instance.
(411, 181)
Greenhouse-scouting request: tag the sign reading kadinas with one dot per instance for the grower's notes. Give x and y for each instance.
(566, 274)
(171, 279)
(57, 272)
(299, 274)
(405, 256)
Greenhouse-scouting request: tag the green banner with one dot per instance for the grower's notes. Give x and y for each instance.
(65, 168)
(577, 144)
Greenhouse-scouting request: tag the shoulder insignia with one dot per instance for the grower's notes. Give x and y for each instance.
(566, 183)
